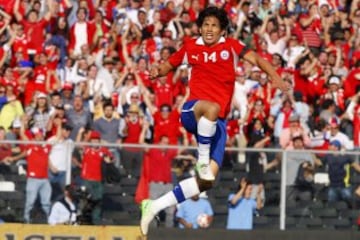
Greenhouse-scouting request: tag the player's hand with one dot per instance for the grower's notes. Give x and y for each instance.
(154, 72)
(281, 84)
(243, 183)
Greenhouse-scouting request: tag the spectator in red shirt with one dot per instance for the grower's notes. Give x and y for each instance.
(164, 120)
(131, 127)
(33, 26)
(5, 151)
(37, 183)
(91, 173)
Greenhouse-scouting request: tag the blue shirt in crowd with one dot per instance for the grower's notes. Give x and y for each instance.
(190, 210)
(240, 215)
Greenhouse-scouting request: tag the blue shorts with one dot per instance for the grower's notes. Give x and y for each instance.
(217, 147)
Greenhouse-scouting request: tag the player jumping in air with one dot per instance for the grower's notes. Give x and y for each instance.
(213, 59)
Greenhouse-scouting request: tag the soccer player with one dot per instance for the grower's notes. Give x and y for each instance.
(213, 59)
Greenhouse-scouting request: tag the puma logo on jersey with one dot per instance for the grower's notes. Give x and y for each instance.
(196, 57)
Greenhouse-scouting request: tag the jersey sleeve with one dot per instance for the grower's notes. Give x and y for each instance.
(177, 58)
(239, 47)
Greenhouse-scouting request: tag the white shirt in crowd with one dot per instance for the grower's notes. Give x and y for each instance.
(345, 141)
(59, 156)
(61, 215)
(81, 36)
(240, 95)
(277, 47)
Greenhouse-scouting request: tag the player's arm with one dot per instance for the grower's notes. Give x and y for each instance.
(264, 65)
(160, 70)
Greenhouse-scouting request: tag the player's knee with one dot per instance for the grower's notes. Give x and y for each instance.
(214, 108)
(204, 185)
(212, 111)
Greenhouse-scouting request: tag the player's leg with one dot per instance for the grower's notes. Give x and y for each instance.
(186, 188)
(206, 115)
(191, 186)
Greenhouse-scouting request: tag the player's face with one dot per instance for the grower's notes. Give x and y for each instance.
(211, 31)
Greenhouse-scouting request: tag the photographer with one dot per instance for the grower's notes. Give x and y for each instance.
(64, 211)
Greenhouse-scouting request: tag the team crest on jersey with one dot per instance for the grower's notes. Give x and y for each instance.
(224, 55)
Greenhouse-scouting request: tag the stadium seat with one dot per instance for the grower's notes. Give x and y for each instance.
(290, 222)
(229, 184)
(313, 223)
(340, 205)
(219, 221)
(220, 209)
(129, 185)
(129, 181)
(355, 179)
(239, 167)
(271, 211)
(226, 175)
(337, 223)
(261, 222)
(7, 186)
(113, 189)
(272, 177)
(298, 212)
(221, 193)
(325, 212)
(239, 175)
(8, 215)
(9, 196)
(349, 213)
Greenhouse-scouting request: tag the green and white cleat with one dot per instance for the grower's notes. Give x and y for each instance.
(147, 215)
(204, 172)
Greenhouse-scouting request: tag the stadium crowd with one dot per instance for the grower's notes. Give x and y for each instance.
(79, 71)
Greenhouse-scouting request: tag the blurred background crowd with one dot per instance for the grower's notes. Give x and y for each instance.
(78, 71)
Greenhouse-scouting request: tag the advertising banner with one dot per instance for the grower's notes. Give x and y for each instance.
(62, 232)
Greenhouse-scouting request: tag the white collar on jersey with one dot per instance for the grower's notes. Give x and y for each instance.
(200, 41)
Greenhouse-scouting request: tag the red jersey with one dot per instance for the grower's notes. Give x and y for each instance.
(169, 127)
(21, 45)
(40, 75)
(160, 165)
(38, 161)
(213, 69)
(163, 94)
(35, 33)
(91, 164)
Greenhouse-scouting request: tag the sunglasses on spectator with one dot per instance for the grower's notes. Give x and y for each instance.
(134, 97)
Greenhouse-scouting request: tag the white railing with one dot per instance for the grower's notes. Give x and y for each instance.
(284, 153)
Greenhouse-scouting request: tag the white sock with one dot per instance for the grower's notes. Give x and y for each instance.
(185, 189)
(206, 130)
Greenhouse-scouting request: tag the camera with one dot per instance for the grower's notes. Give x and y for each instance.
(85, 205)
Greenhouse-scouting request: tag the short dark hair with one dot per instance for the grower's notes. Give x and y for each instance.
(218, 13)
(108, 104)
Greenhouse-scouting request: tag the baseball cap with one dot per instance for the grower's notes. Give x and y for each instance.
(239, 71)
(336, 143)
(334, 80)
(16, 123)
(41, 95)
(67, 86)
(37, 131)
(95, 135)
(255, 69)
(334, 122)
